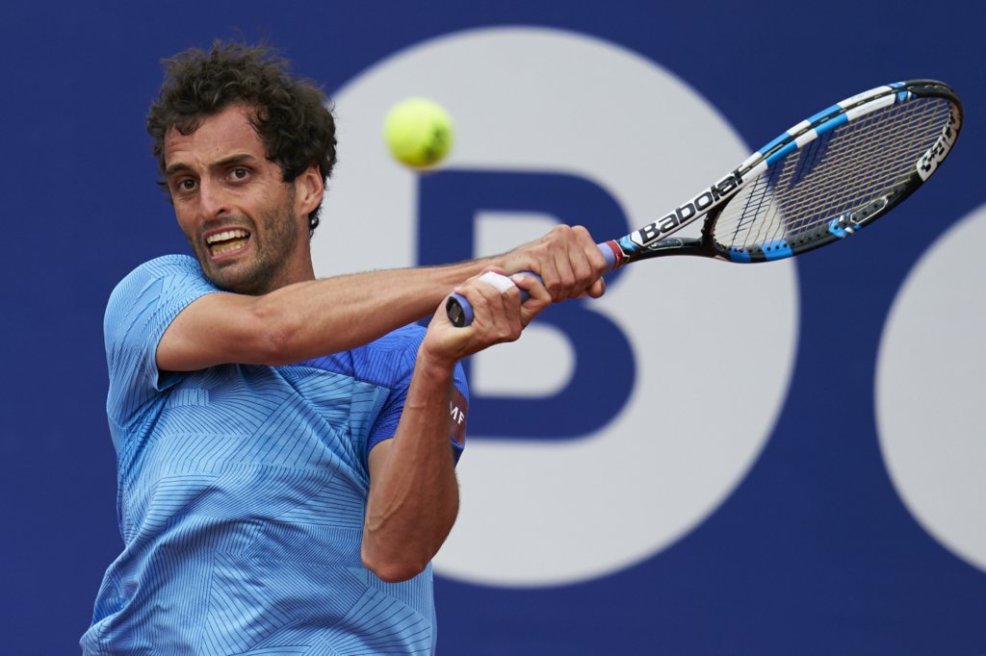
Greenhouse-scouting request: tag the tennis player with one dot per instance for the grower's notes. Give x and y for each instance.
(286, 445)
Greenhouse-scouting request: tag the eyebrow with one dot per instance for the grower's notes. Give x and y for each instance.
(226, 162)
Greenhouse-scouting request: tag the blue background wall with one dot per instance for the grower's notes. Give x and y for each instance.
(814, 553)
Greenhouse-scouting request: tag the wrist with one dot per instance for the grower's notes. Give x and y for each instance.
(433, 365)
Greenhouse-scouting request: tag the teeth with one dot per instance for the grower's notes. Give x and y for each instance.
(226, 235)
(226, 247)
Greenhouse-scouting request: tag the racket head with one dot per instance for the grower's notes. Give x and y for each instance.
(820, 181)
(835, 172)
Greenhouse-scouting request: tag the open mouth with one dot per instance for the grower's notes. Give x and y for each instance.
(227, 241)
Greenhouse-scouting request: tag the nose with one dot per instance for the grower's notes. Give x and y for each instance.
(213, 200)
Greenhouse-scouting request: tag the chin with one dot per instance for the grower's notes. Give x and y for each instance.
(229, 280)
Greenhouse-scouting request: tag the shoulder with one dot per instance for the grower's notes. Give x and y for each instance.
(152, 271)
(161, 267)
(153, 293)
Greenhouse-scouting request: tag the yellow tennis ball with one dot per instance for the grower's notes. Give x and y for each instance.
(419, 132)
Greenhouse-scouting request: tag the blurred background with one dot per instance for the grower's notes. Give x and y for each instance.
(712, 459)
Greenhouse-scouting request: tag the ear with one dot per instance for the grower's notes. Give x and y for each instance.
(309, 187)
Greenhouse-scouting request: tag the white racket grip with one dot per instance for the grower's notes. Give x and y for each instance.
(501, 282)
(460, 312)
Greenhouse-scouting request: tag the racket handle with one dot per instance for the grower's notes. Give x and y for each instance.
(460, 312)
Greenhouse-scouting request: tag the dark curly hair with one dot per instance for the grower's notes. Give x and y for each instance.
(293, 119)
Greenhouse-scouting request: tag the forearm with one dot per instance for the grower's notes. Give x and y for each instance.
(338, 313)
(323, 316)
(414, 495)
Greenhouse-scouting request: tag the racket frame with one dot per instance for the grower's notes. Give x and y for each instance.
(654, 239)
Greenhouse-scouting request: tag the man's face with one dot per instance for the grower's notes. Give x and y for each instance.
(245, 224)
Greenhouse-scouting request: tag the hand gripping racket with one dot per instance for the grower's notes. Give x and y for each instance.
(825, 178)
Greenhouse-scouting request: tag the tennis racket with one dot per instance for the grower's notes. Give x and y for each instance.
(821, 181)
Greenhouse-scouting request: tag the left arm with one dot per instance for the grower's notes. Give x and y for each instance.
(414, 495)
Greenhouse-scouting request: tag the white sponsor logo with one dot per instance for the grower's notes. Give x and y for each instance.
(936, 154)
(456, 413)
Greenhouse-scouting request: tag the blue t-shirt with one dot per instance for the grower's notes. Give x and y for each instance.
(242, 490)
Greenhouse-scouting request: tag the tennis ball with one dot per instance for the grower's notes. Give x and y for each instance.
(418, 132)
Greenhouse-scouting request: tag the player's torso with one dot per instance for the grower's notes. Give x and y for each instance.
(242, 505)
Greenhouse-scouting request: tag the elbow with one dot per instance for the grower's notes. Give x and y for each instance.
(394, 570)
(274, 333)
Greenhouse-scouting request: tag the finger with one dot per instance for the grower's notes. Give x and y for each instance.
(496, 312)
(505, 310)
(538, 297)
(506, 315)
(566, 282)
(561, 258)
(583, 263)
(479, 295)
(592, 258)
(597, 289)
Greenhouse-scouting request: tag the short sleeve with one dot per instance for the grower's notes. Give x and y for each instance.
(385, 425)
(140, 309)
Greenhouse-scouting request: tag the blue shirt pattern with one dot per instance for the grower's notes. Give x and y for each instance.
(242, 490)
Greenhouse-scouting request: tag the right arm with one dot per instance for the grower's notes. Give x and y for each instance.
(303, 320)
(313, 318)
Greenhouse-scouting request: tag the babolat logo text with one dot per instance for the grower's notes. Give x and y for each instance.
(684, 214)
(931, 159)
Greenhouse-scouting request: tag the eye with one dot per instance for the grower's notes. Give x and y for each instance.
(185, 185)
(239, 173)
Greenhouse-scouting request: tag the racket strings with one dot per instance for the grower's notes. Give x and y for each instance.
(839, 172)
(784, 209)
(872, 157)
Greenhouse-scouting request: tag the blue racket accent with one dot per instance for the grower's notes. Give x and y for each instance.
(837, 227)
(844, 225)
(828, 126)
(740, 255)
(782, 153)
(825, 112)
(626, 244)
(776, 250)
(766, 149)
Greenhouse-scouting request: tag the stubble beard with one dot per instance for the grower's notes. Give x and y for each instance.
(272, 247)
